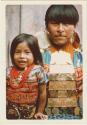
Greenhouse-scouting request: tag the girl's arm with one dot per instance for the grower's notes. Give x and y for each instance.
(79, 78)
(78, 61)
(42, 102)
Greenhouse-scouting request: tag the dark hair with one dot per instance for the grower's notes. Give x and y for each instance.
(76, 37)
(66, 14)
(76, 40)
(32, 42)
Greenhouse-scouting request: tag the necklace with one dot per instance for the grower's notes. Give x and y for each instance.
(17, 78)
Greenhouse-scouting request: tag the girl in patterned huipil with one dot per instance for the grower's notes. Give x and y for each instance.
(57, 49)
(26, 80)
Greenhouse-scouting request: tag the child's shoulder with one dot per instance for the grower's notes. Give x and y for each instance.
(8, 70)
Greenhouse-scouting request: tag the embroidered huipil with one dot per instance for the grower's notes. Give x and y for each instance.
(23, 89)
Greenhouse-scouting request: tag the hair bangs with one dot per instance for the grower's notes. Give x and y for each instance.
(66, 14)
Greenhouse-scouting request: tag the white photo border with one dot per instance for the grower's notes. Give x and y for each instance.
(3, 119)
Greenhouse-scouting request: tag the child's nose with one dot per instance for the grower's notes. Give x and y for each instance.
(22, 55)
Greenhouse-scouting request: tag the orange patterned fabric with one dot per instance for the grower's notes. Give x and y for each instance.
(67, 48)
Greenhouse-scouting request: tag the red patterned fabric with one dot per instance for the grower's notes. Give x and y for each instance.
(23, 91)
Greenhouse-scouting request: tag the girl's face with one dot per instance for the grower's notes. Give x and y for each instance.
(23, 55)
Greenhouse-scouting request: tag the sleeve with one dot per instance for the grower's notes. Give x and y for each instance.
(46, 55)
(8, 72)
(42, 76)
(77, 59)
(8, 75)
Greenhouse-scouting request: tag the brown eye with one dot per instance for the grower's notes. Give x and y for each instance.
(17, 52)
(28, 52)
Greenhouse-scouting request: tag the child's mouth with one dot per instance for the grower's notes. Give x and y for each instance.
(22, 62)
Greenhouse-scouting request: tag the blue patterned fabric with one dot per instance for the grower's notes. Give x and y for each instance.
(46, 57)
(77, 59)
(64, 116)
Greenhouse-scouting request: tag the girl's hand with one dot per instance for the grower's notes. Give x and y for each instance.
(40, 116)
(46, 67)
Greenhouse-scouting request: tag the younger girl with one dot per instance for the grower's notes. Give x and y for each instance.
(26, 80)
